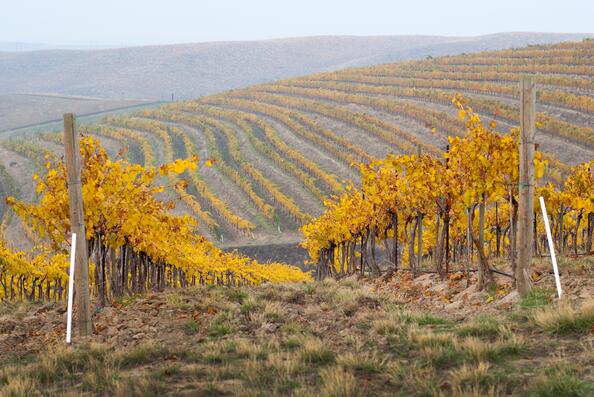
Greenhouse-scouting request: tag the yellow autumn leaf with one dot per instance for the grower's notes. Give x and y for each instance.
(539, 169)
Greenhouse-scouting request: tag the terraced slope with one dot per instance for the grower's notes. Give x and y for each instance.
(280, 149)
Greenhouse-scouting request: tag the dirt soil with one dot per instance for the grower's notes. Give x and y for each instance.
(26, 329)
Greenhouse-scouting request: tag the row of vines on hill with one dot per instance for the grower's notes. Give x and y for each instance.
(465, 201)
(379, 96)
(584, 103)
(135, 242)
(311, 100)
(207, 124)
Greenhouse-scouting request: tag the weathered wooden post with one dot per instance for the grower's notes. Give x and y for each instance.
(419, 232)
(77, 225)
(526, 187)
(446, 223)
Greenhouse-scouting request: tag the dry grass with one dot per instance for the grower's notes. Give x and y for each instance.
(470, 374)
(314, 348)
(362, 361)
(482, 326)
(19, 386)
(274, 312)
(285, 366)
(475, 347)
(564, 318)
(390, 324)
(314, 351)
(426, 337)
(476, 380)
(562, 379)
(336, 382)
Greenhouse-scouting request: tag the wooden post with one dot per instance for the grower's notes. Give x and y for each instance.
(447, 224)
(419, 232)
(419, 243)
(468, 246)
(526, 187)
(77, 225)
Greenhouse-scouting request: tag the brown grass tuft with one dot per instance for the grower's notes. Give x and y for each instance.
(336, 382)
(564, 319)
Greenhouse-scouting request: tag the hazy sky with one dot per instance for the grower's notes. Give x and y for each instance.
(123, 22)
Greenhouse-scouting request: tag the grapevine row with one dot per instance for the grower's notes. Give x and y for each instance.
(136, 244)
(344, 93)
(582, 103)
(168, 148)
(438, 120)
(266, 209)
(217, 204)
(390, 133)
(243, 120)
(301, 125)
(277, 196)
(402, 194)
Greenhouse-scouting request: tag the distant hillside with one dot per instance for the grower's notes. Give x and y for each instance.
(24, 110)
(282, 148)
(192, 70)
(16, 46)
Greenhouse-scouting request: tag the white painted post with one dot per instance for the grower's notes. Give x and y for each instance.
(551, 245)
(71, 289)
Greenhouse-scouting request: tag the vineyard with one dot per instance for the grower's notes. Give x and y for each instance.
(401, 181)
(281, 149)
(301, 159)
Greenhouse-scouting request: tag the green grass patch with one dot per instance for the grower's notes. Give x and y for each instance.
(441, 357)
(561, 381)
(482, 326)
(248, 307)
(191, 327)
(429, 319)
(217, 329)
(537, 297)
(316, 353)
(142, 354)
(237, 295)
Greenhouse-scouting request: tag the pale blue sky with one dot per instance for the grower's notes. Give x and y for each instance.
(130, 22)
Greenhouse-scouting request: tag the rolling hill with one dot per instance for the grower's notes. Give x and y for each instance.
(281, 148)
(21, 111)
(38, 82)
(192, 70)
